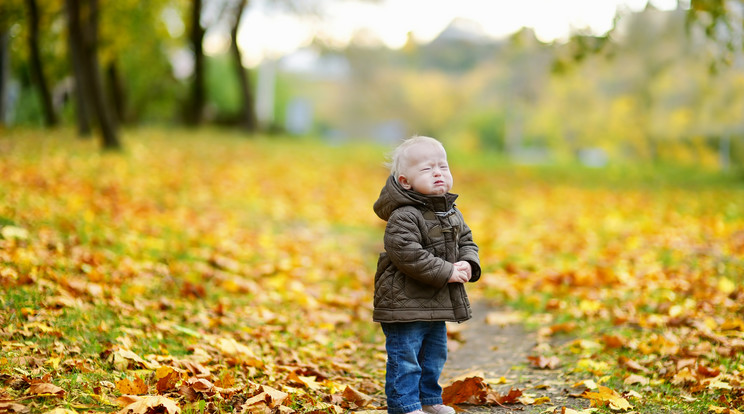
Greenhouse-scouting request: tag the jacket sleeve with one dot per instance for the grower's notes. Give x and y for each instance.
(403, 245)
(468, 251)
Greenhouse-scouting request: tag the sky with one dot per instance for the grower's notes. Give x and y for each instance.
(267, 33)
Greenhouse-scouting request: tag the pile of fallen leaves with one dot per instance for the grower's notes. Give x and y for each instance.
(211, 273)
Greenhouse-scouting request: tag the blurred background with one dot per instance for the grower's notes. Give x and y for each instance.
(539, 82)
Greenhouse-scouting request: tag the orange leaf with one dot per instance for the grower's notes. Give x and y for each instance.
(226, 381)
(565, 327)
(135, 387)
(707, 372)
(168, 382)
(471, 390)
(613, 341)
(509, 398)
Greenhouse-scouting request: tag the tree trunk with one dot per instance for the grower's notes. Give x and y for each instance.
(247, 116)
(84, 31)
(116, 88)
(82, 105)
(4, 72)
(196, 104)
(37, 71)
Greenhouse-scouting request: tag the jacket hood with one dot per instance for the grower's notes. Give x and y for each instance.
(393, 196)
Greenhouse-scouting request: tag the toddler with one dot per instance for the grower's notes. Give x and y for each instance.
(419, 283)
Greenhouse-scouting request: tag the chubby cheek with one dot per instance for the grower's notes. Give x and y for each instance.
(451, 182)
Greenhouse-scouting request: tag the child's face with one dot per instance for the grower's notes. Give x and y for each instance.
(426, 170)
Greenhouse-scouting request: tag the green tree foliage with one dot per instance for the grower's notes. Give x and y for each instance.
(135, 39)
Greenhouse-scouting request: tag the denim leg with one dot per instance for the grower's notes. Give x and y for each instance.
(431, 358)
(403, 343)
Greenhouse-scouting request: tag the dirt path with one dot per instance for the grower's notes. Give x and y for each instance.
(494, 351)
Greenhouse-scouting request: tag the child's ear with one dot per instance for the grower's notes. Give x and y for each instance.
(403, 181)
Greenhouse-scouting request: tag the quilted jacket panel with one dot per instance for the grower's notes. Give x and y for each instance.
(424, 236)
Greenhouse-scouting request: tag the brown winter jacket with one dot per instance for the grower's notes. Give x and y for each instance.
(424, 237)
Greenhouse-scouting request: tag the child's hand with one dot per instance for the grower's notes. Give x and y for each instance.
(465, 267)
(459, 275)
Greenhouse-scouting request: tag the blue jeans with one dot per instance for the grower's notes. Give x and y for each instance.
(416, 353)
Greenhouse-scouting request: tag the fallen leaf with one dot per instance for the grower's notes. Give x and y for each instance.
(565, 327)
(237, 351)
(268, 397)
(684, 377)
(634, 379)
(631, 365)
(123, 359)
(510, 397)
(359, 399)
(542, 362)
(608, 397)
(528, 400)
(125, 400)
(151, 405)
(613, 341)
(707, 372)
(194, 367)
(716, 383)
(167, 379)
(276, 397)
(11, 407)
(472, 390)
(541, 400)
(304, 381)
(590, 384)
(132, 387)
(200, 385)
(43, 388)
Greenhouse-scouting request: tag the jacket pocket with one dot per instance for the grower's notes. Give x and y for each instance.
(383, 263)
(417, 290)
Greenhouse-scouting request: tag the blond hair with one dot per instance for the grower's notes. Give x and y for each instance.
(398, 156)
